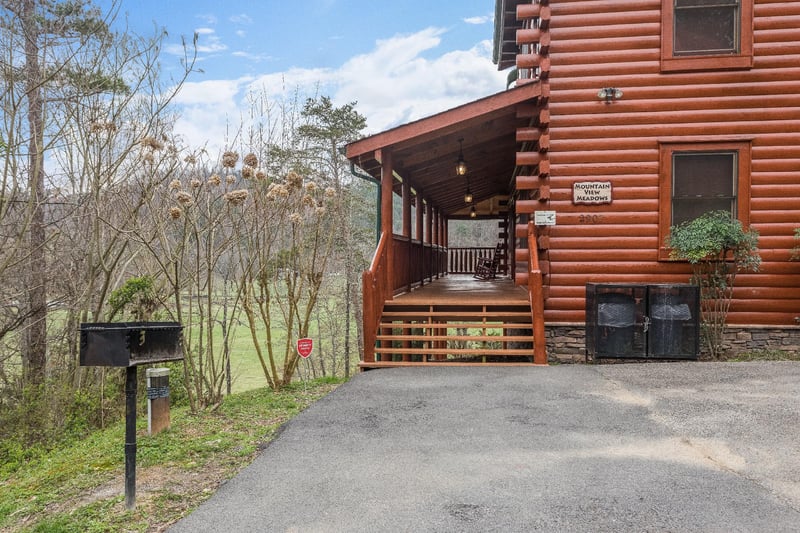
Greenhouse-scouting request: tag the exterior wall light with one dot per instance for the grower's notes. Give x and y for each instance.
(609, 94)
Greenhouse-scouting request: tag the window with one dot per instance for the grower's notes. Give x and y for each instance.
(703, 182)
(706, 34)
(699, 177)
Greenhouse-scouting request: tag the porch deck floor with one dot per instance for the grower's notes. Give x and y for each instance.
(463, 289)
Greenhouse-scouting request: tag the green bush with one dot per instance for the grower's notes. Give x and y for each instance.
(717, 246)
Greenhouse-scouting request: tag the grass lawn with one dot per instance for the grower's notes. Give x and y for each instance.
(79, 487)
(246, 369)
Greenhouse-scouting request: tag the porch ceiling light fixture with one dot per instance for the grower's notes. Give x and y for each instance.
(472, 212)
(461, 165)
(609, 94)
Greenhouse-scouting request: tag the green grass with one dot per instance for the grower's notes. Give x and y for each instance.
(79, 486)
(766, 355)
(245, 366)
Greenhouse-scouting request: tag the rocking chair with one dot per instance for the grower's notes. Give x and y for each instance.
(486, 268)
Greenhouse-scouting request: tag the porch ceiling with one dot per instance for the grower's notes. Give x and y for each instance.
(425, 151)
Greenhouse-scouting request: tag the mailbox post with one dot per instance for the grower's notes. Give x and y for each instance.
(128, 344)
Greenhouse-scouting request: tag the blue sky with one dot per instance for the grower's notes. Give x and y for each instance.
(400, 60)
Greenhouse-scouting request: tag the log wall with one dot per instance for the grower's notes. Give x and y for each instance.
(616, 43)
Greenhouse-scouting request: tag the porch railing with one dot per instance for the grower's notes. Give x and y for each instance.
(463, 260)
(536, 295)
(377, 289)
(414, 263)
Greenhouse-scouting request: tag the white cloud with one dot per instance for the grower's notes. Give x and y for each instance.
(208, 41)
(400, 80)
(478, 20)
(255, 58)
(395, 84)
(242, 18)
(208, 19)
(208, 108)
(210, 93)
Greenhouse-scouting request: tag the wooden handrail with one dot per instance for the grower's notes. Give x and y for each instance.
(417, 263)
(536, 295)
(376, 289)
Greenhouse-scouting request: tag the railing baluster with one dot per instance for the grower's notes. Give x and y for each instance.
(462, 260)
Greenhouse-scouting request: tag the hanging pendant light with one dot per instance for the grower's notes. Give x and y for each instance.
(461, 165)
(472, 212)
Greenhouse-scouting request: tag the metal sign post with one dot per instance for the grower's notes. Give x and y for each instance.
(130, 437)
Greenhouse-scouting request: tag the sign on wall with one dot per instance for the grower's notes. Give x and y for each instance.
(544, 218)
(591, 192)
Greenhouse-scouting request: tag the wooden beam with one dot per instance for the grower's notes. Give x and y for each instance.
(406, 190)
(387, 192)
(418, 233)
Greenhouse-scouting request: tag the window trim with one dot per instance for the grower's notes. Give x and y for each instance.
(741, 61)
(668, 148)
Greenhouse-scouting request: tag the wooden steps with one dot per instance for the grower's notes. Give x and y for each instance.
(465, 334)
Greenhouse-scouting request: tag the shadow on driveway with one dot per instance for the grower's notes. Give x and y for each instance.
(636, 447)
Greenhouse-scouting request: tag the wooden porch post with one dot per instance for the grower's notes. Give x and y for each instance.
(387, 178)
(410, 256)
(387, 225)
(429, 237)
(418, 235)
(435, 250)
(445, 240)
(418, 230)
(406, 188)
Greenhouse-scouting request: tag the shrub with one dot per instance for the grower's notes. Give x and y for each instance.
(717, 247)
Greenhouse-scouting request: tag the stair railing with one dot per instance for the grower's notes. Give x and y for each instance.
(536, 295)
(377, 288)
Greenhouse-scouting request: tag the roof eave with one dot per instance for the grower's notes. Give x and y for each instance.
(442, 121)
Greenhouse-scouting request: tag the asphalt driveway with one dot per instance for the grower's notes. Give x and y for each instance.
(637, 447)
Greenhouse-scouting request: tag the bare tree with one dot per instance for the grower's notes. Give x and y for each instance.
(79, 102)
(325, 132)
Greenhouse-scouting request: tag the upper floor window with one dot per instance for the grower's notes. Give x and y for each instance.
(696, 178)
(706, 34)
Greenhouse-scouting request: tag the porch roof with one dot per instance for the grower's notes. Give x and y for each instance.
(425, 151)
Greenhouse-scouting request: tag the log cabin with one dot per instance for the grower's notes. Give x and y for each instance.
(622, 118)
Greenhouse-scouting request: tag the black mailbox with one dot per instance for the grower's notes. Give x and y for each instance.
(125, 344)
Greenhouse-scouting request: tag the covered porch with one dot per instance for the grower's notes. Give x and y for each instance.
(417, 310)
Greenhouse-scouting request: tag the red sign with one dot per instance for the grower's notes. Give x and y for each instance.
(305, 347)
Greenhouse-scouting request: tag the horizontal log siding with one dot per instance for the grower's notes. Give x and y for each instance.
(617, 44)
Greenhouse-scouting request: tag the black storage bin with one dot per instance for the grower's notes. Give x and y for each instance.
(674, 321)
(616, 318)
(642, 321)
